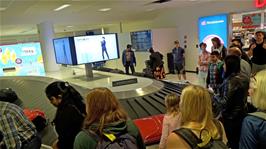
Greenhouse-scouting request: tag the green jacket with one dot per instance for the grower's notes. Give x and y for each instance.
(85, 141)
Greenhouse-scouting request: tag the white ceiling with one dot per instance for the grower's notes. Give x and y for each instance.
(21, 16)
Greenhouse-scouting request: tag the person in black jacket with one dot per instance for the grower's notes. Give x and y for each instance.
(232, 99)
(69, 115)
(156, 62)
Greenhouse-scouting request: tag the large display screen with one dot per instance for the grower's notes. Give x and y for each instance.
(213, 26)
(23, 59)
(65, 51)
(96, 48)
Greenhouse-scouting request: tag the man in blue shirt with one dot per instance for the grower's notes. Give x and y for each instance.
(179, 60)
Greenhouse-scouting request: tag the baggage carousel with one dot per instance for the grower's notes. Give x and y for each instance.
(142, 99)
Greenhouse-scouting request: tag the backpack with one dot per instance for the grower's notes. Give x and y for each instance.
(110, 141)
(197, 143)
(37, 117)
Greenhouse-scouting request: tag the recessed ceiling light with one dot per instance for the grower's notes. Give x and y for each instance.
(104, 9)
(69, 26)
(150, 9)
(61, 7)
(2, 8)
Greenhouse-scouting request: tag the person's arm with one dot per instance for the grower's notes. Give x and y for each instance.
(199, 61)
(208, 77)
(123, 58)
(165, 133)
(134, 58)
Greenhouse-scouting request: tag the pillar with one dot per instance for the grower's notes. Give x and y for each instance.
(46, 35)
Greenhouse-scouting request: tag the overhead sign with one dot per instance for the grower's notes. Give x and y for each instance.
(251, 20)
(260, 3)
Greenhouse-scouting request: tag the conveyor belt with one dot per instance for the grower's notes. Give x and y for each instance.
(31, 92)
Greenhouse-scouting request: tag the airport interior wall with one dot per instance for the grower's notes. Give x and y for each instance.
(183, 20)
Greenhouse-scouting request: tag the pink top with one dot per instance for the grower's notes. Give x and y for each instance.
(204, 58)
(170, 123)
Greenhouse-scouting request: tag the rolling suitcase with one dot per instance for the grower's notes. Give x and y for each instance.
(150, 128)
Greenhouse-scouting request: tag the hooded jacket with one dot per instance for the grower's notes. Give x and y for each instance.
(84, 140)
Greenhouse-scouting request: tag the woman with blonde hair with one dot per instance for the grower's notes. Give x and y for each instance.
(172, 118)
(196, 116)
(106, 123)
(253, 132)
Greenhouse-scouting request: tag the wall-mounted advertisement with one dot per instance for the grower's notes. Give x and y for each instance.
(213, 26)
(141, 40)
(23, 59)
(251, 20)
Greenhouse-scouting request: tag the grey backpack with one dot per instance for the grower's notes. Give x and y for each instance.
(122, 141)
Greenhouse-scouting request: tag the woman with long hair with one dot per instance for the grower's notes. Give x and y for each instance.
(219, 47)
(105, 120)
(253, 133)
(196, 115)
(231, 100)
(69, 115)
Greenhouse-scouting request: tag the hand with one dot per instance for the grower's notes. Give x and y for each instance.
(253, 46)
(264, 45)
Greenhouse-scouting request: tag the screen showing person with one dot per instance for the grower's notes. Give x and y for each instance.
(96, 48)
(63, 51)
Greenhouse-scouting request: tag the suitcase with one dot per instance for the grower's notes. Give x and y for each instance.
(150, 128)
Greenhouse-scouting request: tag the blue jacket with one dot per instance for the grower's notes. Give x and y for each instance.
(253, 133)
(132, 60)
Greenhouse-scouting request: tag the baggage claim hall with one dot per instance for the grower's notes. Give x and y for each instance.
(132, 74)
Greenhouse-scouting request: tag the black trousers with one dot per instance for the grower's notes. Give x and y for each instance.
(128, 64)
(233, 130)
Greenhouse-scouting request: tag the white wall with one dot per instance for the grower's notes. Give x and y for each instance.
(162, 41)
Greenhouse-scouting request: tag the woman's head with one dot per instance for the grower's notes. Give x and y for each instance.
(216, 42)
(259, 90)
(55, 91)
(195, 105)
(172, 103)
(102, 107)
(62, 92)
(231, 65)
(203, 46)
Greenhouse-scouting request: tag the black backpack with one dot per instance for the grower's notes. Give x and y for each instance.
(110, 141)
(197, 143)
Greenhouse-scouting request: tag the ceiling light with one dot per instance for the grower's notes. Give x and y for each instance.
(150, 9)
(2, 8)
(61, 7)
(104, 9)
(69, 26)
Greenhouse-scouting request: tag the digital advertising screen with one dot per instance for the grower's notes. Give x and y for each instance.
(213, 26)
(96, 48)
(24, 59)
(64, 51)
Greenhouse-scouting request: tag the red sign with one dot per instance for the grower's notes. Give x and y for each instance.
(260, 3)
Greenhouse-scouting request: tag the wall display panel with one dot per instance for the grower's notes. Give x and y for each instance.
(141, 40)
(252, 20)
(24, 59)
(65, 51)
(213, 26)
(96, 48)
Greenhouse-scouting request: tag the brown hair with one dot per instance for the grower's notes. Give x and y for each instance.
(102, 108)
(172, 103)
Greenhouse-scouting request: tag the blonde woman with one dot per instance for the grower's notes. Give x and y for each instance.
(196, 111)
(106, 121)
(171, 119)
(253, 133)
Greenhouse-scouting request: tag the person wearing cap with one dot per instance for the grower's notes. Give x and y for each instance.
(259, 52)
(129, 59)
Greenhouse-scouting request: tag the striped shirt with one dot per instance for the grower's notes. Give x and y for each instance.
(15, 125)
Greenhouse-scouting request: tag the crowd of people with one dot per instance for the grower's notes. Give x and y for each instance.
(215, 113)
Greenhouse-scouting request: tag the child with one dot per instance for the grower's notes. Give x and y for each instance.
(172, 118)
(215, 71)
